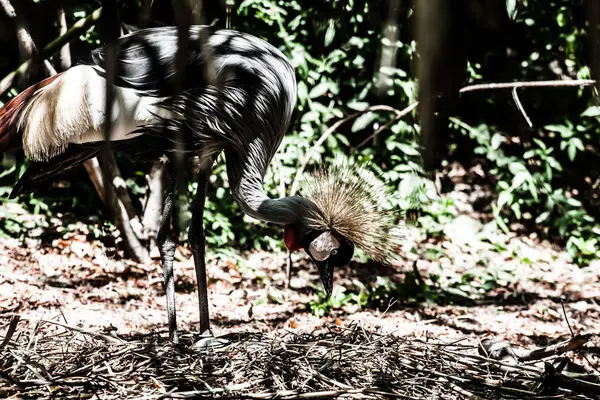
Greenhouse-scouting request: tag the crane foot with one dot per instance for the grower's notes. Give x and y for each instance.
(209, 341)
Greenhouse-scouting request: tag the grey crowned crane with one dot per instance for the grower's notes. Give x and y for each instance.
(238, 96)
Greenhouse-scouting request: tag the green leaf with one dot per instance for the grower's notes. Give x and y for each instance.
(505, 198)
(363, 121)
(516, 167)
(542, 217)
(554, 163)
(541, 144)
(8, 171)
(592, 111)
(519, 178)
(572, 151)
(511, 9)
(319, 90)
(342, 139)
(330, 34)
(497, 140)
(516, 209)
(302, 92)
(529, 154)
(564, 131)
(358, 105)
(577, 143)
(408, 149)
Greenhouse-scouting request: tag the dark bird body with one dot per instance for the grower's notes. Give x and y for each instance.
(238, 97)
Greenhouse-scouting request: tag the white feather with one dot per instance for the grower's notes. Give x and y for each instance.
(72, 110)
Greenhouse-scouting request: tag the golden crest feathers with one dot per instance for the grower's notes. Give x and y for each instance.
(354, 203)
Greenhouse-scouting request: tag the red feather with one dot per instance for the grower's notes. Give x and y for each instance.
(9, 136)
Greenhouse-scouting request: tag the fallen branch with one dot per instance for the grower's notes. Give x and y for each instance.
(388, 124)
(572, 344)
(97, 335)
(521, 108)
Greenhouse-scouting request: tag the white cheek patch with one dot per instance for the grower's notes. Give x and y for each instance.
(321, 247)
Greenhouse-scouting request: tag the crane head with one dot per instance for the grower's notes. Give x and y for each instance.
(328, 249)
(351, 208)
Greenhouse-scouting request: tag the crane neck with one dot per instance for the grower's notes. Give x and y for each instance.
(246, 172)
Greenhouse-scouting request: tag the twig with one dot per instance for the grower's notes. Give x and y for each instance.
(76, 329)
(520, 107)
(577, 385)
(487, 360)
(392, 395)
(460, 390)
(364, 364)
(389, 124)
(283, 395)
(12, 327)
(562, 303)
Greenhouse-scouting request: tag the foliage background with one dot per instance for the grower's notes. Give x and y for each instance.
(542, 179)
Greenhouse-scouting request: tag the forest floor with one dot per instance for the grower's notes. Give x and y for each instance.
(469, 285)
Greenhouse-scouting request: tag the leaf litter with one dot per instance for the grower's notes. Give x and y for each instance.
(51, 359)
(78, 321)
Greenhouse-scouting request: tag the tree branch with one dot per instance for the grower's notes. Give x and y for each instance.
(153, 202)
(65, 51)
(27, 46)
(512, 85)
(402, 113)
(51, 48)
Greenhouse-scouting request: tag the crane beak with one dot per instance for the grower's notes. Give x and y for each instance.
(321, 250)
(326, 272)
(328, 250)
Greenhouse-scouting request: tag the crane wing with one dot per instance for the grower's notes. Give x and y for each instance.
(146, 60)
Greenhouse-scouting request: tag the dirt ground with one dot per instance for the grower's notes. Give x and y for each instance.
(73, 281)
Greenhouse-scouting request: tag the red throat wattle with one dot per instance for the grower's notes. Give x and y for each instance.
(290, 238)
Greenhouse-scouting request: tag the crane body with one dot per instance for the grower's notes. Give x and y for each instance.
(238, 96)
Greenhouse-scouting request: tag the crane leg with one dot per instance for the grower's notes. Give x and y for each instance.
(167, 245)
(197, 242)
